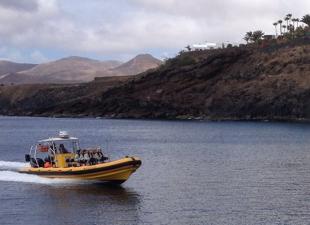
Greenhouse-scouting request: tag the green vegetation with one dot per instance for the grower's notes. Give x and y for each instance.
(254, 36)
(306, 19)
(293, 28)
(183, 59)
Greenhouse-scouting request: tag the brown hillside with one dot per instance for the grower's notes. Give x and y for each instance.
(7, 67)
(234, 83)
(139, 64)
(76, 69)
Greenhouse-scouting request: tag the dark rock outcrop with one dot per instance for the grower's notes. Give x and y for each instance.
(270, 83)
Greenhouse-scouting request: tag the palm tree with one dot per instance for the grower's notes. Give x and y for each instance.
(275, 26)
(297, 21)
(290, 29)
(294, 20)
(284, 27)
(280, 23)
(306, 19)
(288, 18)
(188, 47)
(248, 36)
(257, 36)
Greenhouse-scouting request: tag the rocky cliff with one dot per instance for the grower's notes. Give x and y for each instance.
(265, 83)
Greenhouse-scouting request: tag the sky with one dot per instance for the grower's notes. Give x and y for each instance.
(37, 31)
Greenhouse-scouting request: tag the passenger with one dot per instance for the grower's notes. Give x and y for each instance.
(77, 156)
(96, 155)
(53, 161)
(81, 158)
(47, 165)
(62, 149)
(85, 157)
(92, 159)
(102, 157)
(48, 159)
(89, 154)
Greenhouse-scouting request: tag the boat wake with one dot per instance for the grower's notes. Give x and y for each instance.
(8, 172)
(25, 178)
(11, 166)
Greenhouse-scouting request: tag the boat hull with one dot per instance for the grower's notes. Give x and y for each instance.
(117, 171)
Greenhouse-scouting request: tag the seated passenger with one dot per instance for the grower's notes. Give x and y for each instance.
(102, 157)
(47, 165)
(48, 159)
(77, 156)
(38, 162)
(87, 157)
(96, 155)
(62, 149)
(84, 158)
(92, 159)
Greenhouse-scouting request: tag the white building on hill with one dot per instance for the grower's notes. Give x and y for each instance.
(204, 46)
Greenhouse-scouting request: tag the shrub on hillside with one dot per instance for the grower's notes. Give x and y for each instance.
(181, 60)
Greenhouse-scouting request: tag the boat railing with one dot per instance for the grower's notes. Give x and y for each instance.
(52, 151)
(33, 150)
(30, 149)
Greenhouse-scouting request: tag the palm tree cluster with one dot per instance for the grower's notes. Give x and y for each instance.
(289, 27)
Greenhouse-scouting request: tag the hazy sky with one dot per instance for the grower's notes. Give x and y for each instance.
(43, 30)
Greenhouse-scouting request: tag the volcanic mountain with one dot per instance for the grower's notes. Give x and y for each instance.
(139, 64)
(7, 67)
(76, 69)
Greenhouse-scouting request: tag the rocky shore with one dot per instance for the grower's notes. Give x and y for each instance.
(240, 83)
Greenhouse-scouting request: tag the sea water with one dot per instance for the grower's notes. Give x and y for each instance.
(192, 173)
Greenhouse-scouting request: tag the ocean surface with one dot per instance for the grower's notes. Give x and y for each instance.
(192, 173)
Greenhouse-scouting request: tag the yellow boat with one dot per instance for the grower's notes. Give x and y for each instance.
(65, 159)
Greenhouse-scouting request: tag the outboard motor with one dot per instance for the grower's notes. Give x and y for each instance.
(27, 158)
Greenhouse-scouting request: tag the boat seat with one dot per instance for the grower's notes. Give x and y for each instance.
(40, 162)
(34, 163)
(47, 159)
(92, 161)
(103, 158)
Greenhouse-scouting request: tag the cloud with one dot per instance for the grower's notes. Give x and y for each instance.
(133, 26)
(18, 55)
(11, 54)
(24, 5)
(38, 57)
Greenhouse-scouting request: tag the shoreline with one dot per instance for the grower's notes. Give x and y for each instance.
(183, 119)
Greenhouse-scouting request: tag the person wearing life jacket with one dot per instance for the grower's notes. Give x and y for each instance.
(77, 157)
(92, 158)
(62, 149)
(87, 157)
(97, 155)
(47, 165)
(101, 156)
(84, 157)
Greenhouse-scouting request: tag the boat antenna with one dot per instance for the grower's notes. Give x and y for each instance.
(107, 142)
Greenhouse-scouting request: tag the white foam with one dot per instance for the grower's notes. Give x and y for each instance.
(7, 165)
(12, 176)
(8, 172)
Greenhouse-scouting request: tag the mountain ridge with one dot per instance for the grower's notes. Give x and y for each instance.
(138, 64)
(7, 67)
(245, 83)
(76, 69)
